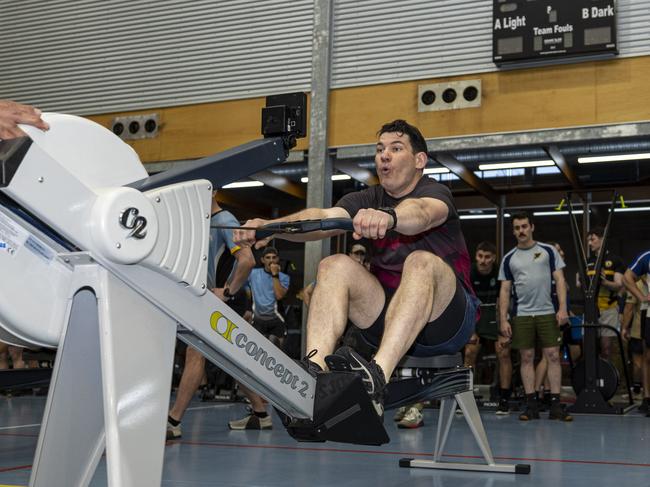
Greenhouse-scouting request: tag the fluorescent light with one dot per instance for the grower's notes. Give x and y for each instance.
(478, 217)
(515, 165)
(243, 184)
(638, 208)
(435, 170)
(556, 213)
(335, 177)
(613, 158)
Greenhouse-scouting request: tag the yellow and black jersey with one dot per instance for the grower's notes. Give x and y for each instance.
(611, 264)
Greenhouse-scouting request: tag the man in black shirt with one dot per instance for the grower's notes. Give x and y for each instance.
(417, 296)
(485, 280)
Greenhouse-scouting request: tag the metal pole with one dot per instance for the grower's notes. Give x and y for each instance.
(500, 226)
(319, 186)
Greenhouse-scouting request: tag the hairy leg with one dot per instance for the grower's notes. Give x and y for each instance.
(502, 347)
(472, 349)
(528, 369)
(190, 382)
(16, 354)
(257, 402)
(552, 355)
(344, 289)
(646, 371)
(540, 373)
(428, 284)
(4, 356)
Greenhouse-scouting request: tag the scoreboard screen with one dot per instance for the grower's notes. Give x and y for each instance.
(529, 32)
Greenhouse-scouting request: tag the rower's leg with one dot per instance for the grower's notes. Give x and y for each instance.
(344, 290)
(427, 287)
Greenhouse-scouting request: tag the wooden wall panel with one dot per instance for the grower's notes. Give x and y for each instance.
(560, 96)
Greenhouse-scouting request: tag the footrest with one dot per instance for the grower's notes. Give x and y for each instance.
(343, 412)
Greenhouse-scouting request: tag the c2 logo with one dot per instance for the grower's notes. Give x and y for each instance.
(130, 219)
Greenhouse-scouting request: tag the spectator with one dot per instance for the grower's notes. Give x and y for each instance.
(268, 286)
(358, 253)
(639, 269)
(484, 275)
(526, 275)
(634, 314)
(238, 270)
(611, 282)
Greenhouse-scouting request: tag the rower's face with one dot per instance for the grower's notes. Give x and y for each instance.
(397, 166)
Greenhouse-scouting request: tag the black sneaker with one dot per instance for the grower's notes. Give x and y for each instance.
(643, 407)
(558, 412)
(529, 414)
(345, 358)
(311, 367)
(503, 407)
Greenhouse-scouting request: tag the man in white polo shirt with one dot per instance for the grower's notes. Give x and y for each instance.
(527, 273)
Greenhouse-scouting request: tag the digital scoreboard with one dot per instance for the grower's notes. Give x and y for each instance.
(532, 32)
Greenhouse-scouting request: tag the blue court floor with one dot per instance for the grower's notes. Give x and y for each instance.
(592, 451)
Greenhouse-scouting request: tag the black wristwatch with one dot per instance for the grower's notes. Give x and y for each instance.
(391, 212)
(227, 295)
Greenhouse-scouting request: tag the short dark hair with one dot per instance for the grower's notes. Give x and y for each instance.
(486, 246)
(270, 250)
(403, 127)
(523, 215)
(597, 231)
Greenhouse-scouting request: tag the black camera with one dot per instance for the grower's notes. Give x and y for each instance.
(285, 116)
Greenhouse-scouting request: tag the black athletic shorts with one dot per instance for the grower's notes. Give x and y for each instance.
(447, 334)
(270, 326)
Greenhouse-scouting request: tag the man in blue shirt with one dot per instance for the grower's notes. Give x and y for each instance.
(640, 269)
(220, 241)
(268, 286)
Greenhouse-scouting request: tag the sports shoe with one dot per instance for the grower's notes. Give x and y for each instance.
(412, 419)
(173, 432)
(643, 407)
(251, 422)
(345, 358)
(503, 408)
(557, 411)
(529, 414)
(400, 413)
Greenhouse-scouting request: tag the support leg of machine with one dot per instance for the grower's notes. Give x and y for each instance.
(137, 352)
(467, 404)
(71, 440)
(445, 418)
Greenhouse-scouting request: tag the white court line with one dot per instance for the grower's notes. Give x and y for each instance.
(19, 426)
(215, 406)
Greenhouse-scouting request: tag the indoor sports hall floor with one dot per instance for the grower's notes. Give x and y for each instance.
(591, 451)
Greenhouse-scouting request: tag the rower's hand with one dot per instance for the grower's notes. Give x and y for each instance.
(371, 224)
(246, 238)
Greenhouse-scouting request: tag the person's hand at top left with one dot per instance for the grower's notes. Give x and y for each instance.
(12, 113)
